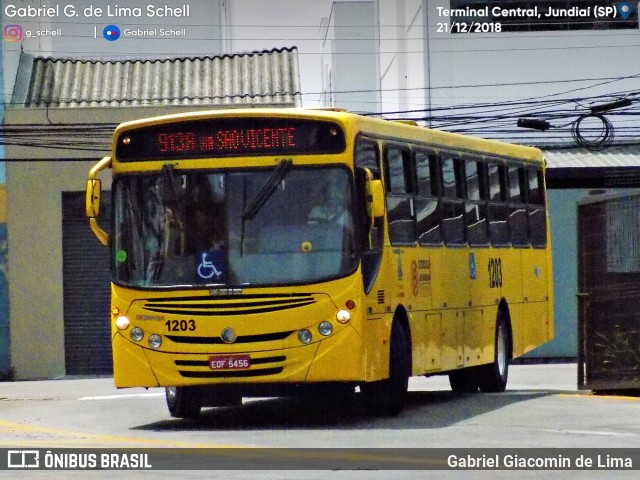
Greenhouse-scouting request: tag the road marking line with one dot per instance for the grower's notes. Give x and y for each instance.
(103, 438)
(592, 432)
(128, 395)
(601, 397)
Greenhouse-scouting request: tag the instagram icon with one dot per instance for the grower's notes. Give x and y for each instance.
(12, 33)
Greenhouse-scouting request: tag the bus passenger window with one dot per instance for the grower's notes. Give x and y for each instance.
(399, 202)
(398, 172)
(476, 208)
(366, 156)
(428, 215)
(401, 223)
(428, 221)
(536, 209)
(497, 209)
(426, 165)
(518, 210)
(449, 183)
(453, 224)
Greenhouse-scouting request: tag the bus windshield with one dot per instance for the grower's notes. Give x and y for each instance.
(256, 227)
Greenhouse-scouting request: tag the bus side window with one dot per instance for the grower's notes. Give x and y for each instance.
(518, 209)
(428, 216)
(475, 206)
(536, 209)
(366, 156)
(498, 212)
(452, 203)
(399, 200)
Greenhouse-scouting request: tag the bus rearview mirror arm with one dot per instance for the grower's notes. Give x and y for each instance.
(375, 196)
(93, 197)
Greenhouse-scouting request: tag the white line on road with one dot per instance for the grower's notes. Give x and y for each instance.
(593, 432)
(119, 397)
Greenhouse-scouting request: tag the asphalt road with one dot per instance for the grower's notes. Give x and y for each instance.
(540, 409)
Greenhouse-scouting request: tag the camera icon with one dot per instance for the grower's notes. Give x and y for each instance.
(13, 33)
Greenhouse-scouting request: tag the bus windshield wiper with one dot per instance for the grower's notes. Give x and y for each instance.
(267, 190)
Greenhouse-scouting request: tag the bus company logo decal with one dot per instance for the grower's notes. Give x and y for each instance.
(159, 318)
(224, 292)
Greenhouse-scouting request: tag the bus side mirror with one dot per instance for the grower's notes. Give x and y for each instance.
(92, 201)
(376, 198)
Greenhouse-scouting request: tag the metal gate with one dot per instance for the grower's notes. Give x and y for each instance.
(609, 292)
(86, 290)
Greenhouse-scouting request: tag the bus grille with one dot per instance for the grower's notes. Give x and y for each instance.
(228, 305)
(205, 372)
(266, 337)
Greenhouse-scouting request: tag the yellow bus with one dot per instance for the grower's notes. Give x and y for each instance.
(275, 251)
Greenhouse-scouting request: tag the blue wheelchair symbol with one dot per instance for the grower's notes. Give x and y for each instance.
(211, 266)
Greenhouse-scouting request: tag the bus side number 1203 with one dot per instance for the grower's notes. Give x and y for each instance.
(495, 272)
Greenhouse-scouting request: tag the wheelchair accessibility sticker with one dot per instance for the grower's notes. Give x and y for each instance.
(211, 266)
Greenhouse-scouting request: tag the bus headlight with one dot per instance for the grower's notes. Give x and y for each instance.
(343, 316)
(325, 329)
(136, 334)
(304, 336)
(122, 323)
(155, 340)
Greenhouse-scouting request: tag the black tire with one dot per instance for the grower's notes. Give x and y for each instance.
(464, 380)
(183, 402)
(494, 377)
(388, 397)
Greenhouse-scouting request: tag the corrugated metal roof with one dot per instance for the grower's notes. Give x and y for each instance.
(612, 157)
(269, 77)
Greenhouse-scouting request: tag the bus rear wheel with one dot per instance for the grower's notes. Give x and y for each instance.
(183, 402)
(493, 377)
(388, 397)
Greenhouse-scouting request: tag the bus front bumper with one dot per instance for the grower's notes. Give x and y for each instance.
(337, 358)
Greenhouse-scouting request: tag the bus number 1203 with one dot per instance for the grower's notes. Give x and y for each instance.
(495, 272)
(181, 325)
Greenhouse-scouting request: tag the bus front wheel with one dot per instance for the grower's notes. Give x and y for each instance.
(183, 402)
(493, 377)
(388, 397)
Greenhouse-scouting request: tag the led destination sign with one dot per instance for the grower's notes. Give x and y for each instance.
(224, 137)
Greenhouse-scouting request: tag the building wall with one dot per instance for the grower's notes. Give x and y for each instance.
(5, 360)
(34, 346)
(34, 198)
(403, 66)
(563, 219)
(351, 46)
